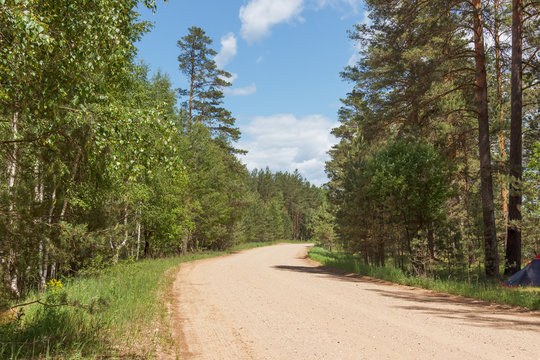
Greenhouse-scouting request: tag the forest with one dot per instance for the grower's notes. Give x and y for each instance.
(103, 161)
(113, 182)
(437, 165)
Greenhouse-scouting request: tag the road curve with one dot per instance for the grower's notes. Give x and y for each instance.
(273, 303)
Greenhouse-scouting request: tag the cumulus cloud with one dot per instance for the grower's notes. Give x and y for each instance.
(284, 142)
(258, 16)
(248, 90)
(353, 5)
(227, 52)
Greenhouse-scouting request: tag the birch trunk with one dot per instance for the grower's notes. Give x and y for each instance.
(126, 237)
(45, 259)
(12, 172)
(138, 237)
(38, 199)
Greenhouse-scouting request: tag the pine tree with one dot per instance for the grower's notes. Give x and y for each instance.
(206, 82)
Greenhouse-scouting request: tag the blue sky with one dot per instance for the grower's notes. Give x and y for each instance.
(285, 57)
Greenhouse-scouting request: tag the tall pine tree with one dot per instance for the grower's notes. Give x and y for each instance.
(206, 82)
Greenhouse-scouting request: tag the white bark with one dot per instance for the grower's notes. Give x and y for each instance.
(45, 257)
(12, 164)
(38, 199)
(12, 172)
(126, 237)
(138, 240)
(73, 176)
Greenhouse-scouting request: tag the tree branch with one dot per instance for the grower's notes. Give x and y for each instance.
(38, 301)
(529, 61)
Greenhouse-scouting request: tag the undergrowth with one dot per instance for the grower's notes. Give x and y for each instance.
(112, 313)
(523, 297)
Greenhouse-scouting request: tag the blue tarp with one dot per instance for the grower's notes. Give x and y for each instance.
(528, 276)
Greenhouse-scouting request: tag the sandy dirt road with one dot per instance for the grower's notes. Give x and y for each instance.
(272, 303)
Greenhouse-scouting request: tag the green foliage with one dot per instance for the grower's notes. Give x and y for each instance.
(323, 226)
(411, 181)
(103, 168)
(405, 179)
(531, 204)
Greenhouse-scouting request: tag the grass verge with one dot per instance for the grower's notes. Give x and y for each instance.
(523, 297)
(117, 313)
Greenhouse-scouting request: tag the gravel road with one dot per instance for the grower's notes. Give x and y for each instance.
(273, 303)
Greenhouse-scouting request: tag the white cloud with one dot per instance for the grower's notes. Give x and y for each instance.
(248, 90)
(227, 52)
(285, 143)
(260, 59)
(258, 16)
(353, 5)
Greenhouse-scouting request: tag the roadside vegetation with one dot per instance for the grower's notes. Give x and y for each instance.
(438, 159)
(439, 280)
(119, 311)
(113, 162)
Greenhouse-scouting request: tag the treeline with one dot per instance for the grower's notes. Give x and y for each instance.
(101, 162)
(437, 164)
(280, 206)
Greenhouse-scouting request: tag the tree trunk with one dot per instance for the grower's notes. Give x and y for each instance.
(38, 199)
(138, 239)
(146, 250)
(126, 237)
(490, 234)
(185, 240)
(500, 104)
(45, 258)
(513, 249)
(12, 172)
(431, 242)
(191, 93)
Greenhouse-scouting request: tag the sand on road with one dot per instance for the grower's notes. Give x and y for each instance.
(273, 303)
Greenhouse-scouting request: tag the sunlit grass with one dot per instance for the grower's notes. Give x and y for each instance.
(523, 297)
(119, 313)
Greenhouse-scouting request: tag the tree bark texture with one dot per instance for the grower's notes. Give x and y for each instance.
(500, 104)
(12, 271)
(513, 249)
(490, 234)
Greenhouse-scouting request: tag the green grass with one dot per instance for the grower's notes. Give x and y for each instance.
(523, 297)
(125, 319)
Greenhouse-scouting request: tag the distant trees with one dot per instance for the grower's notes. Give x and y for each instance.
(279, 206)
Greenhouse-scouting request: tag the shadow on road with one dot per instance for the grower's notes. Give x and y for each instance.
(464, 310)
